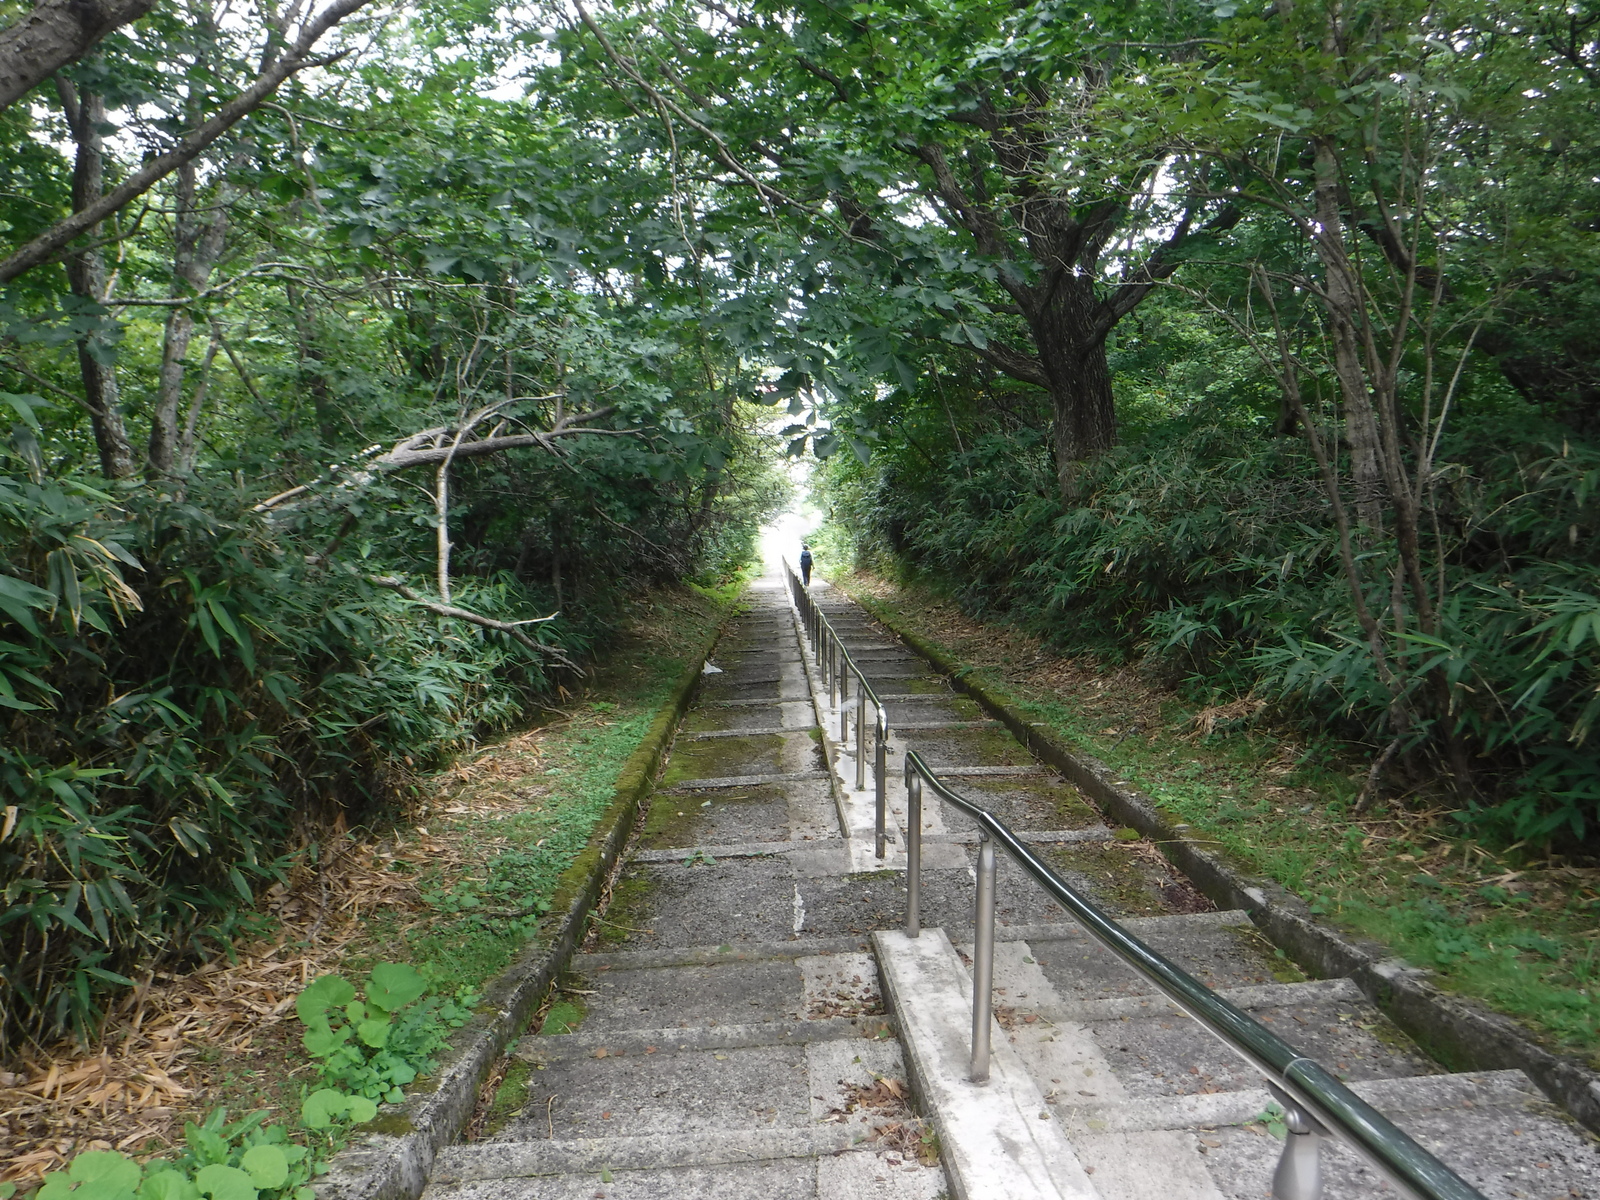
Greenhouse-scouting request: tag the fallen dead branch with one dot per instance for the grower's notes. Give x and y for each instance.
(512, 628)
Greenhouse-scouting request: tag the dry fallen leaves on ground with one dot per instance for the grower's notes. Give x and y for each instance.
(168, 1045)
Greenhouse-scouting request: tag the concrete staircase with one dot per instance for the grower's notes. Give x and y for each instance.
(756, 1024)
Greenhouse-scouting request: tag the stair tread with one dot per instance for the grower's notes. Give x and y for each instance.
(621, 1042)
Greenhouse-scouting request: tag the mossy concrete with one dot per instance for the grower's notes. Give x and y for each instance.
(389, 1159)
(722, 757)
(1460, 1033)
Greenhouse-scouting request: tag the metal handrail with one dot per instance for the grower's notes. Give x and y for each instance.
(838, 667)
(1314, 1100)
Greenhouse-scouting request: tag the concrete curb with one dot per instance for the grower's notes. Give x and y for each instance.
(1461, 1033)
(389, 1158)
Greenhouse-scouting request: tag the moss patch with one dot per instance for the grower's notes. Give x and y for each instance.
(1283, 968)
(565, 1015)
(509, 1098)
(718, 758)
(676, 819)
(1120, 882)
(991, 746)
(1071, 809)
(629, 907)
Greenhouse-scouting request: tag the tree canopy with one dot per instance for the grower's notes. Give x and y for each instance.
(362, 359)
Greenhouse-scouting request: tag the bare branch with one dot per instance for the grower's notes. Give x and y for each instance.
(511, 629)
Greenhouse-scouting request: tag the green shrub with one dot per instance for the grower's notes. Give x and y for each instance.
(184, 698)
(1209, 549)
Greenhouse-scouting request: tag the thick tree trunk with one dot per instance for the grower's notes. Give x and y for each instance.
(86, 275)
(1073, 355)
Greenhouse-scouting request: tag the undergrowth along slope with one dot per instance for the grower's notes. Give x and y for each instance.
(1204, 549)
(1515, 931)
(489, 834)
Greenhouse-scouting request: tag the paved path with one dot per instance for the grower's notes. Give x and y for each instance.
(754, 1023)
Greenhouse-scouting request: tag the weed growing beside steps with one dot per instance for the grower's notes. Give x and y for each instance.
(367, 1047)
(431, 891)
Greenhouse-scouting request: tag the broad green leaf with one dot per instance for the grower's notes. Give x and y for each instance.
(266, 1165)
(394, 985)
(323, 1107)
(225, 1183)
(322, 1040)
(374, 1033)
(104, 1175)
(321, 994)
(168, 1185)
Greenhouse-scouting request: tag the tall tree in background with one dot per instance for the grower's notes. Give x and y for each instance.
(871, 126)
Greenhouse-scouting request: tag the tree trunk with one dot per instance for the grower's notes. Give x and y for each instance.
(199, 244)
(86, 275)
(313, 369)
(1344, 307)
(1073, 355)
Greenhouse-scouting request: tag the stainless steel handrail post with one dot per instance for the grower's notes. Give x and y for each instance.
(983, 960)
(844, 707)
(861, 735)
(1299, 1172)
(913, 853)
(881, 775)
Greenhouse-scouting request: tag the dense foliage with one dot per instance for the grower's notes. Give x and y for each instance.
(344, 347)
(1205, 547)
(233, 612)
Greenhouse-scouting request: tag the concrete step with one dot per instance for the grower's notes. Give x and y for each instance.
(1221, 949)
(727, 953)
(722, 990)
(825, 1164)
(714, 782)
(1492, 1128)
(744, 731)
(620, 1043)
(692, 1091)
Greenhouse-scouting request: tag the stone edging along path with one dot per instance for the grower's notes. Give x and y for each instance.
(1462, 1033)
(389, 1158)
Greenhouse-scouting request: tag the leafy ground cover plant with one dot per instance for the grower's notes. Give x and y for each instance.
(374, 1044)
(246, 1159)
(489, 835)
(369, 1048)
